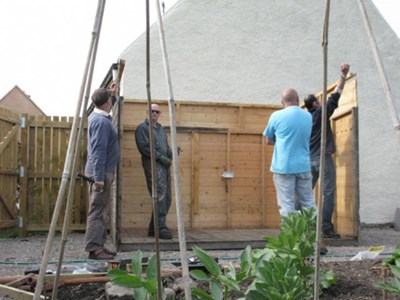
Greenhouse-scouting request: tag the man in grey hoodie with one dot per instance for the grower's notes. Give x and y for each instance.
(163, 157)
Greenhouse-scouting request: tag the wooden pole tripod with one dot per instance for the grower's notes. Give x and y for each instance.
(70, 154)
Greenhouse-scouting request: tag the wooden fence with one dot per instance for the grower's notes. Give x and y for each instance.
(44, 143)
(9, 167)
(224, 167)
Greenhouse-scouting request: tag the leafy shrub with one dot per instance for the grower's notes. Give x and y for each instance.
(145, 287)
(282, 270)
(393, 264)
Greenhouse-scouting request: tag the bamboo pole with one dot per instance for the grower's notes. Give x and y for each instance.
(154, 194)
(178, 196)
(322, 151)
(65, 176)
(381, 70)
(119, 120)
(85, 88)
(17, 293)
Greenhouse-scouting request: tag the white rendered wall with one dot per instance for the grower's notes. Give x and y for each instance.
(249, 51)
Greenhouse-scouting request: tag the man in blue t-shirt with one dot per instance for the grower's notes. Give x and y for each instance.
(289, 130)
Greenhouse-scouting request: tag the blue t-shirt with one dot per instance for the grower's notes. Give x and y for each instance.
(291, 129)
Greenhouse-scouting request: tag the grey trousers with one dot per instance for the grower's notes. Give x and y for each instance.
(98, 214)
(163, 190)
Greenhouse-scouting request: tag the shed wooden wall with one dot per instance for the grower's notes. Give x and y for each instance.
(219, 137)
(214, 138)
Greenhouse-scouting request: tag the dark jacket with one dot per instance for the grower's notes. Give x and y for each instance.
(315, 140)
(160, 141)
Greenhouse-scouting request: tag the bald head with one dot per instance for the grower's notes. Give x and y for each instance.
(155, 113)
(290, 97)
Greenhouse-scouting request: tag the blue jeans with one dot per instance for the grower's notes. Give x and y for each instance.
(328, 188)
(288, 186)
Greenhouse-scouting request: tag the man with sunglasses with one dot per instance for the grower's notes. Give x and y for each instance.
(163, 157)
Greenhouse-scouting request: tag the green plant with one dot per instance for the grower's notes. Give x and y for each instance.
(15, 232)
(9, 233)
(393, 264)
(220, 283)
(277, 278)
(282, 270)
(287, 273)
(145, 287)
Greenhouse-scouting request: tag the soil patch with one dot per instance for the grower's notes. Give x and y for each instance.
(355, 281)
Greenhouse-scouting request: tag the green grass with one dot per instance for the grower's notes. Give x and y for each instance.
(14, 233)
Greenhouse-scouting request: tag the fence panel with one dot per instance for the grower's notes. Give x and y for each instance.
(9, 151)
(45, 143)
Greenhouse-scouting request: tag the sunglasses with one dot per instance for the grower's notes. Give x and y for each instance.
(155, 111)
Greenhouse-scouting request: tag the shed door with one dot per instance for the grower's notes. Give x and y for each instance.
(346, 159)
(210, 191)
(231, 185)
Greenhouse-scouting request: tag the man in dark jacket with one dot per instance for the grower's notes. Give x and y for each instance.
(314, 107)
(163, 157)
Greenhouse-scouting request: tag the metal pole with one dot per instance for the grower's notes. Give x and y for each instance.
(322, 151)
(154, 193)
(86, 85)
(64, 180)
(178, 196)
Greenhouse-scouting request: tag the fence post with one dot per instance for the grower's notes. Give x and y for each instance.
(23, 173)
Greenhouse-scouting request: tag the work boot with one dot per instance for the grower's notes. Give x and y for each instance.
(165, 234)
(108, 251)
(330, 234)
(100, 254)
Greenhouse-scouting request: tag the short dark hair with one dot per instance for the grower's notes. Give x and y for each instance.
(309, 100)
(100, 96)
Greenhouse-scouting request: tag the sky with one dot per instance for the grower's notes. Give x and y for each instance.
(45, 43)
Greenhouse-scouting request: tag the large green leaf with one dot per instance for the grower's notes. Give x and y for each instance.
(209, 263)
(141, 294)
(230, 283)
(245, 259)
(387, 287)
(151, 272)
(327, 279)
(114, 273)
(216, 290)
(151, 285)
(137, 262)
(199, 275)
(395, 270)
(131, 281)
(200, 294)
(255, 295)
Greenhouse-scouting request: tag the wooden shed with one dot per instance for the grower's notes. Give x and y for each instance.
(224, 167)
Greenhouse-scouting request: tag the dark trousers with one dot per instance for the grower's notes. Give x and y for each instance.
(163, 177)
(329, 188)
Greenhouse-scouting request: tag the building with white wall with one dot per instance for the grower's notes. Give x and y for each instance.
(249, 51)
